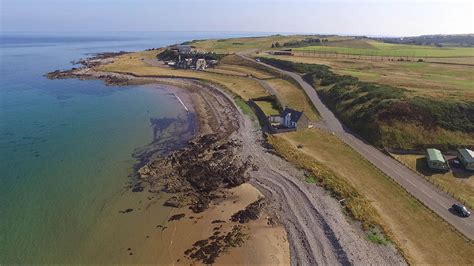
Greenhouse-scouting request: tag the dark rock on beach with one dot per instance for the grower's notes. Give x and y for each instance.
(176, 217)
(250, 213)
(126, 210)
(194, 173)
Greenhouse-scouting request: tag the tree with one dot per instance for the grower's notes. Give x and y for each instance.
(273, 45)
(277, 44)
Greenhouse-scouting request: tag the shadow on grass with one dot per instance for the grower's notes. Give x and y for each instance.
(462, 173)
(422, 167)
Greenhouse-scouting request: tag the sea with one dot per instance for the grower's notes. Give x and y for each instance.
(67, 148)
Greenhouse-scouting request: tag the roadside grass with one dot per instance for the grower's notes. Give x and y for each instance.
(423, 236)
(294, 97)
(132, 64)
(420, 78)
(387, 49)
(246, 65)
(244, 70)
(226, 71)
(246, 109)
(310, 179)
(377, 238)
(458, 182)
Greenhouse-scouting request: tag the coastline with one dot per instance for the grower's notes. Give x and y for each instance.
(315, 229)
(181, 230)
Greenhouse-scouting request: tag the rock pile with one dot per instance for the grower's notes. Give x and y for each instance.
(196, 172)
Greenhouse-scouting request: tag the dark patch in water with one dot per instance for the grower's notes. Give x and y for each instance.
(138, 188)
(169, 134)
(160, 124)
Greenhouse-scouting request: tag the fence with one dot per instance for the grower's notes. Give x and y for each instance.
(363, 55)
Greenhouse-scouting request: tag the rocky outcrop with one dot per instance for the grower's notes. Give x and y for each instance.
(207, 164)
(250, 213)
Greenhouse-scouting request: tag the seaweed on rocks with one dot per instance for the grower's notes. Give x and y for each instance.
(207, 164)
(208, 250)
(250, 213)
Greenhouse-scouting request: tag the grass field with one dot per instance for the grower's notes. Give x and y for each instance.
(422, 235)
(420, 78)
(228, 46)
(132, 63)
(458, 182)
(293, 97)
(268, 108)
(369, 47)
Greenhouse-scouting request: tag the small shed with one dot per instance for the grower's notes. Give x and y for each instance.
(435, 160)
(466, 157)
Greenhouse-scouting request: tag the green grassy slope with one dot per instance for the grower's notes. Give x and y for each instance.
(384, 115)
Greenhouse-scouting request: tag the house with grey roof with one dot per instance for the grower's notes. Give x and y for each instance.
(289, 119)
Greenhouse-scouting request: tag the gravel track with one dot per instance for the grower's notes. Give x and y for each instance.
(318, 231)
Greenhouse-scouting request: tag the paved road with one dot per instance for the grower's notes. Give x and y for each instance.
(427, 193)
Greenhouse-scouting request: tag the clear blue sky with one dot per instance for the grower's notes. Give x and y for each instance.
(370, 17)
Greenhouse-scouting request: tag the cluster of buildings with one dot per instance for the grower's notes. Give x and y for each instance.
(436, 160)
(189, 59)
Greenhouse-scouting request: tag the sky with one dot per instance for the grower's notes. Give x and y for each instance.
(356, 17)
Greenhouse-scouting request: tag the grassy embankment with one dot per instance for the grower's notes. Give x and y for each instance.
(458, 182)
(374, 198)
(388, 116)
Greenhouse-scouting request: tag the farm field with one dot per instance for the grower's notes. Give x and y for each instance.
(410, 224)
(458, 182)
(420, 78)
(370, 47)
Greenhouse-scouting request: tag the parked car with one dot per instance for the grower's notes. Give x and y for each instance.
(461, 210)
(456, 163)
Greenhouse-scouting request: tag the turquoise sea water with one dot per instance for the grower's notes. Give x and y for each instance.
(66, 145)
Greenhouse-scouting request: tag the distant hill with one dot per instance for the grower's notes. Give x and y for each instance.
(463, 40)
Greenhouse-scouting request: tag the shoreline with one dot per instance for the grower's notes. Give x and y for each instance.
(311, 235)
(207, 119)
